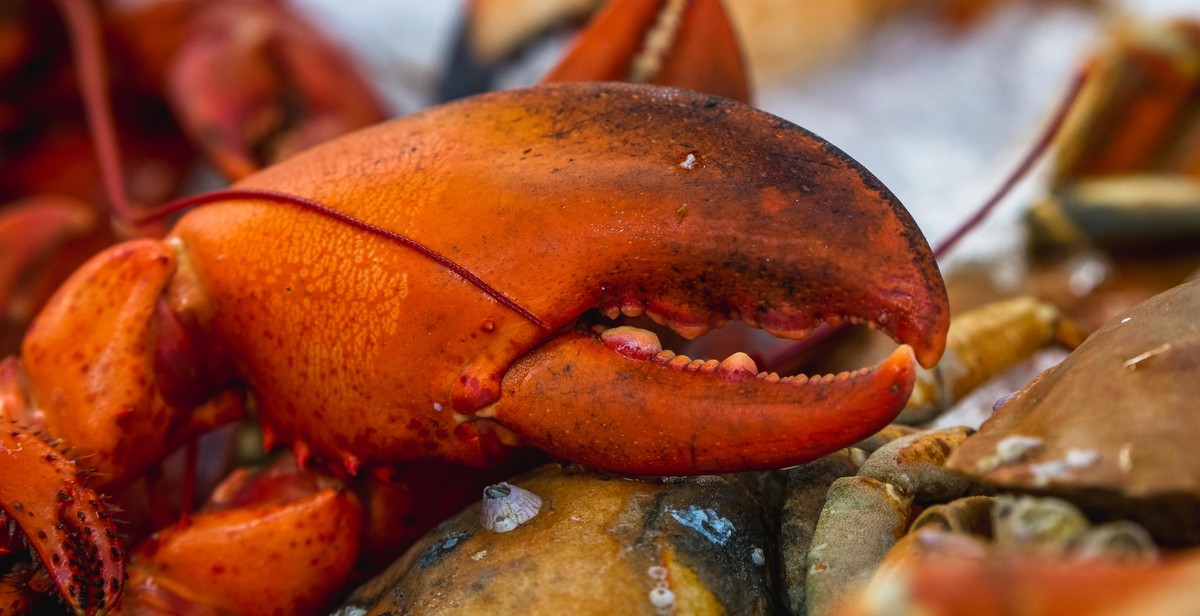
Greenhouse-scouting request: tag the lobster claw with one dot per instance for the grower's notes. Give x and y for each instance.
(570, 200)
(681, 44)
(253, 84)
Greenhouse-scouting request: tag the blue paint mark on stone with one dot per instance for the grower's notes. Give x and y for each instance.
(706, 522)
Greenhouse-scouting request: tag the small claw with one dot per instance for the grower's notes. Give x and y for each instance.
(656, 417)
(66, 523)
(254, 84)
(279, 541)
(680, 43)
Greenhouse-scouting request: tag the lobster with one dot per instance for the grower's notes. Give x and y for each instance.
(375, 298)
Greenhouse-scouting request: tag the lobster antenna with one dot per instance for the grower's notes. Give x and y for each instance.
(362, 225)
(1035, 153)
(84, 33)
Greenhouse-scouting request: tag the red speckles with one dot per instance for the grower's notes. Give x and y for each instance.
(124, 417)
(218, 569)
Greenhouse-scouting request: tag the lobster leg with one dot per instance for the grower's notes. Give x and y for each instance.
(64, 521)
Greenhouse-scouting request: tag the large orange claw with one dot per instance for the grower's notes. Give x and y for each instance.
(553, 202)
(65, 523)
(681, 43)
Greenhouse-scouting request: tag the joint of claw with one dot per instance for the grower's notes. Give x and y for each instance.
(640, 344)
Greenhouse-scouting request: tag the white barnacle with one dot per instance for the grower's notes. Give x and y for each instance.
(662, 599)
(506, 507)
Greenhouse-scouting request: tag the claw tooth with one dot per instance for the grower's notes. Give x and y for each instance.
(738, 365)
(695, 365)
(709, 366)
(665, 356)
(632, 309)
(680, 361)
(690, 331)
(632, 342)
(612, 312)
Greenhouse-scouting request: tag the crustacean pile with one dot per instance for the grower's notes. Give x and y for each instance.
(436, 303)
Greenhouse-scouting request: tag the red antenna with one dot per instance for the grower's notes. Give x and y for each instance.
(84, 32)
(1035, 153)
